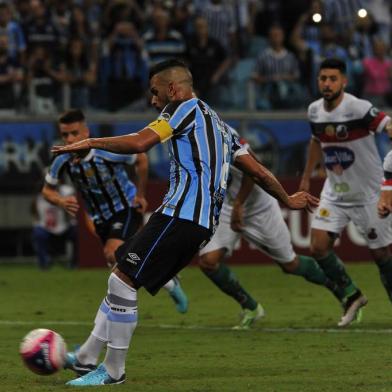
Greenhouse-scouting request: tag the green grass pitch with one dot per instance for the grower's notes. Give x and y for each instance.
(297, 347)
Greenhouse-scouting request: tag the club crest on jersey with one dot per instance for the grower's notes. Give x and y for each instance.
(341, 132)
(165, 116)
(89, 172)
(372, 234)
(338, 159)
(330, 130)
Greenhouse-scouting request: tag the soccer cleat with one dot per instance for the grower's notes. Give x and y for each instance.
(99, 376)
(249, 317)
(179, 297)
(352, 309)
(72, 363)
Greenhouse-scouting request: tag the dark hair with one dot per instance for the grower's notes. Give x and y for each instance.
(71, 116)
(167, 64)
(334, 63)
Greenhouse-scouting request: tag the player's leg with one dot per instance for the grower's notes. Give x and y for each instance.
(40, 240)
(125, 225)
(160, 250)
(211, 263)
(378, 234)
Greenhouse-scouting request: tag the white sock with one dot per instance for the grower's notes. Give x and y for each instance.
(89, 352)
(121, 322)
(169, 286)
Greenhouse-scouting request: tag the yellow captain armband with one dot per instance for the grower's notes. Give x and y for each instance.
(162, 128)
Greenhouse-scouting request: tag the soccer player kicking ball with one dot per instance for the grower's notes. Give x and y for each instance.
(253, 214)
(343, 137)
(114, 204)
(202, 149)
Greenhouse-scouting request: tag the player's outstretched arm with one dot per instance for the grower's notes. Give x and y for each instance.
(314, 158)
(265, 179)
(133, 143)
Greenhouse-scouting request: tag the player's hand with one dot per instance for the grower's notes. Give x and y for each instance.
(70, 204)
(140, 203)
(237, 218)
(79, 147)
(302, 200)
(304, 185)
(384, 206)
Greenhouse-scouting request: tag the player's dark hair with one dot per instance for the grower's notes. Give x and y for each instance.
(334, 63)
(167, 64)
(71, 116)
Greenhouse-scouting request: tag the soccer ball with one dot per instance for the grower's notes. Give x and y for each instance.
(43, 351)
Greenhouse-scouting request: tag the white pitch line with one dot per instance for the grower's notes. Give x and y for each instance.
(209, 328)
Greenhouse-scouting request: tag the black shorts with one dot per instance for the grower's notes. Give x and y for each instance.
(163, 247)
(122, 225)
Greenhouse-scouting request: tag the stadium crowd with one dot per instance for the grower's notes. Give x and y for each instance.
(244, 54)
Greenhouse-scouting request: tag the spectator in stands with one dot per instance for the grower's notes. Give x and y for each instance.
(81, 72)
(124, 68)
(381, 10)
(44, 78)
(161, 42)
(53, 229)
(11, 75)
(377, 75)
(342, 14)
(277, 73)
(207, 58)
(60, 15)
(16, 40)
(221, 23)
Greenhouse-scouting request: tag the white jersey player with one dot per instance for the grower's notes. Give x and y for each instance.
(343, 138)
(251, 213)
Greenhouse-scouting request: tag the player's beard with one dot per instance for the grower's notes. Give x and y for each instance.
(334, 96)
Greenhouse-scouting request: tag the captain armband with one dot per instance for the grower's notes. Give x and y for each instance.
(162, 128)
(388, 128)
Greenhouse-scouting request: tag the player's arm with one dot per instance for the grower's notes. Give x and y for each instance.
(237, 214)
(141, 168)
(133, 143)
(384, 205)
(68, 203)
(314, 158)
(266, 180)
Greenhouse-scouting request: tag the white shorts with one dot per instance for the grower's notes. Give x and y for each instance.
(376, 231)
(266, 230)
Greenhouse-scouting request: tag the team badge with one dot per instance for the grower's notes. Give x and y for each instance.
(89, 172)
(324, 213)
(330, 130)
(372, 234)
(165, 116)
(341, 132)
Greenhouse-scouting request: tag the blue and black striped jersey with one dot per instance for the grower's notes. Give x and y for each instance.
(201, 149)
(101, 178)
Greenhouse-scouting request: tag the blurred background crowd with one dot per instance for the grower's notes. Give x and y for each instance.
(244, 54)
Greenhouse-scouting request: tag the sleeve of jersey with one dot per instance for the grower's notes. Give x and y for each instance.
(238, 148)
(376, 120)
(54, 172)
(387, 182)
(176, 118)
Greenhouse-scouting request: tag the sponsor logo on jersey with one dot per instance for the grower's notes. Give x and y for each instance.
(341, 188)
(338, 159)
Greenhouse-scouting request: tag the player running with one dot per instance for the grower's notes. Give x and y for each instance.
(343, 137)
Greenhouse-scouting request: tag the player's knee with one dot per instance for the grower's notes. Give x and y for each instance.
(208, 262)
(289, 267)
(381, 255)
(318, 250)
